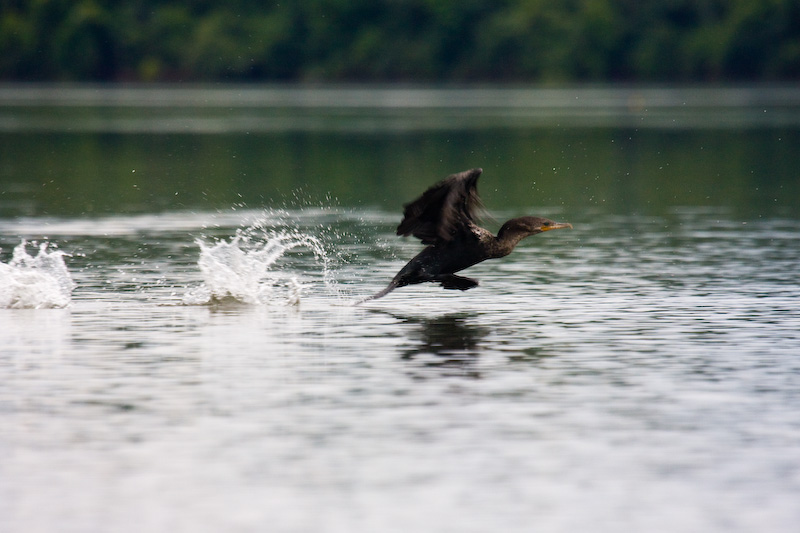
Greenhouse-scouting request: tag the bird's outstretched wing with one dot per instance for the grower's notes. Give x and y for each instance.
(443, 210)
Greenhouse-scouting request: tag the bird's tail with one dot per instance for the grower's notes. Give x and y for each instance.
(392, 286)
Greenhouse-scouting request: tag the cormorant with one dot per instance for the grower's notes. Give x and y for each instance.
(444, 218)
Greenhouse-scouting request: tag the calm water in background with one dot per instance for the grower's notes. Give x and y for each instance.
(208, 371)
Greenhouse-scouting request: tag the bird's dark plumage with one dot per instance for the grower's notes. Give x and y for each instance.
(444, 218)
(444, 210)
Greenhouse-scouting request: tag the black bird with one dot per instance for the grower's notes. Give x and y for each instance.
(444, 218)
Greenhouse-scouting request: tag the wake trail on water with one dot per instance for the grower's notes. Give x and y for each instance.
(244, 269)
(39, 281)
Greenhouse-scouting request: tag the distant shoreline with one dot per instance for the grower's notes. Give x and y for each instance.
(300, 107)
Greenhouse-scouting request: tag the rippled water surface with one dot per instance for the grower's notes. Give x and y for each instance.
(206, 370)
(644, 376)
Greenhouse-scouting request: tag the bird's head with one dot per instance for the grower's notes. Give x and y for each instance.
(526, 226)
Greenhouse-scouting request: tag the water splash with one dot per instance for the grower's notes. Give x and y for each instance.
(241, 270)
(40, 281)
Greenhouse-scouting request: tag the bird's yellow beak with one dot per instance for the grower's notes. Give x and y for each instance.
(557, 225)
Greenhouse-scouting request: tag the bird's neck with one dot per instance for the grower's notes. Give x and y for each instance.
(507, 239)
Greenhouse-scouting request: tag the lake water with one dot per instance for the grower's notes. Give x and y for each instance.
(179, 349)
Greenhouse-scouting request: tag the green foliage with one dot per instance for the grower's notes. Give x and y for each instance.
(410, 40)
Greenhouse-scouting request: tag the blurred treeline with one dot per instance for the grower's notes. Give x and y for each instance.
(400, 40)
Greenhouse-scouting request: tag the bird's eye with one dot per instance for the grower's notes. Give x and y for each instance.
(546, 224)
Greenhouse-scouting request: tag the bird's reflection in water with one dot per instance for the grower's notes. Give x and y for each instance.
(449, 343)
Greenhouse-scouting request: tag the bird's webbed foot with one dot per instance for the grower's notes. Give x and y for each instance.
(451, 281)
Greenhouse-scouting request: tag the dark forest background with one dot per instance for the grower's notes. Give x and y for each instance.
(540, 41)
